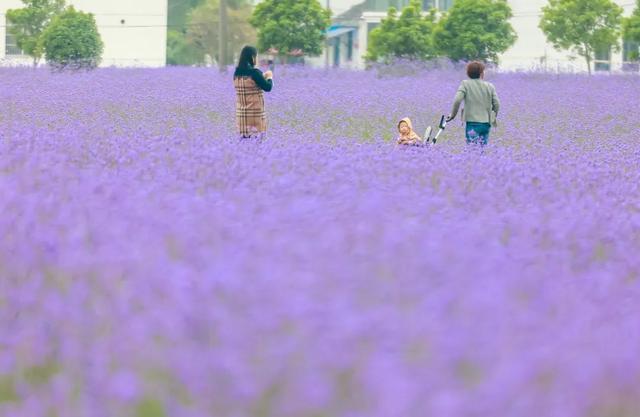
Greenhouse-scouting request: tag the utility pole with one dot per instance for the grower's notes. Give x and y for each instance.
(222, 36)
(326, 42)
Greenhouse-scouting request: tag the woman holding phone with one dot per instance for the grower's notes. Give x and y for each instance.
(250, 84)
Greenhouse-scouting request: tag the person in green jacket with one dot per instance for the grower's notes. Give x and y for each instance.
(481, 104)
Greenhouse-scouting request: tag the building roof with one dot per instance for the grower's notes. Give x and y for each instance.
(334, 32)
(354, 13)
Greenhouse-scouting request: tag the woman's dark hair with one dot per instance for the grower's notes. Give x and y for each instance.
(247, 57)
(475, 69)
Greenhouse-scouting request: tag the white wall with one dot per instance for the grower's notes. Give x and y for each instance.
(140, 41)
(531, 50)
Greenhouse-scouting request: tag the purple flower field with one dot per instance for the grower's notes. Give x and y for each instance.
(152, 266)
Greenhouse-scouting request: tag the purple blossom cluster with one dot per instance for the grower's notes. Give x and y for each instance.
(153, 266)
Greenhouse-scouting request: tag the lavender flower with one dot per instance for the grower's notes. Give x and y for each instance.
(152, 265)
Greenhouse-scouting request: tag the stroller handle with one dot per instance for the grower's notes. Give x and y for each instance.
(443, 122)
(442, 126)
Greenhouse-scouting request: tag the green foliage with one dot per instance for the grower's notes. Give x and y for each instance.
(179, 50)
(72, 40)
(203, 32)
(41, 374)
(475, 30)
(178, 12)
(631, 25)
(28, 23)
(291, 25)
(195, 37)
(582, 26)
(8, 391)
(150, 408)
(408, 36)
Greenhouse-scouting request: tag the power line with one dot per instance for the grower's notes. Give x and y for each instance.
(123, 14)
(125, 26)
(130, 14)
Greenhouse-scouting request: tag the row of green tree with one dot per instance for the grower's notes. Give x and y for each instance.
(472, 29)
(65, 36)
(60, 33)
(480, 29)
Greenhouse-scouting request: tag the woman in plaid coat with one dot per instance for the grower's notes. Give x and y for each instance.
(250, 83)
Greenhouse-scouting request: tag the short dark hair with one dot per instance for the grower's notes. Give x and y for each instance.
(247, 57)
(475, 69)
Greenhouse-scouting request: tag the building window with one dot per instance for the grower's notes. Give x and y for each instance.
(630, 51)
(350, 46)
(602, 60)
(383, 5)
(11, 46)
(630, 55)
(445, 4)
(428, 4)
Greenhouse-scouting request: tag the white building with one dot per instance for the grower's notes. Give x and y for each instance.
(348, 38)
(134, 32)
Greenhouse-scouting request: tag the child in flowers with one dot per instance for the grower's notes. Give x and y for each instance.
(407, 135)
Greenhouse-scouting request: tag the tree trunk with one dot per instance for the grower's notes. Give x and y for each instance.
(587, 56)
(222, 36)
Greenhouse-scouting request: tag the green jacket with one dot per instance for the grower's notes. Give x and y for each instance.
(481, 103)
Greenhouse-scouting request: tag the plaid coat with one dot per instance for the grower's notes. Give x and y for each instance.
(251, 117)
